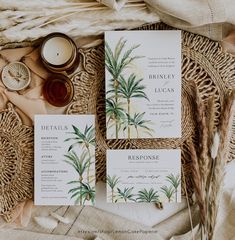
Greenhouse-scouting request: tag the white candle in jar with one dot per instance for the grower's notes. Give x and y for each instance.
(57, 50)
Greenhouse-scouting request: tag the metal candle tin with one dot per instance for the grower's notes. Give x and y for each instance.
(59, 53)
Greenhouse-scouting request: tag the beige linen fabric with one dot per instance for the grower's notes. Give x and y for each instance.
(85, 222)
(24, 235)
(178, 224)
(210, 18)
(225, 228)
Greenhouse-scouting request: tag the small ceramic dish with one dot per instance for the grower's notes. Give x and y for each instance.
(16, 76)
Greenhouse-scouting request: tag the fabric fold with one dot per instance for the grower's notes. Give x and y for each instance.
(212, 18)
(26, 235)
(113, 4)
(29, 106)
(228, 43)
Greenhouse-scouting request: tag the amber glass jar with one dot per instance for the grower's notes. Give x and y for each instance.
(58, 90)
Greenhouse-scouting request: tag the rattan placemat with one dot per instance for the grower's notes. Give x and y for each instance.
(16, 161)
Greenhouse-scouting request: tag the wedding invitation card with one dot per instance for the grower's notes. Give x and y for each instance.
(143, 175)
(64, 160)
(143, 84)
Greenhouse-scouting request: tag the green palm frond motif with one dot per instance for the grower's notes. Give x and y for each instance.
(126, 194)
(168, 192)
(88, 192)
(131, 88)
(148, 195)
(83, 193)
(86, 139)
(175, 182)
(112, 182)
(80, 164)
(138, 122)
(116, 61)
(114, 112)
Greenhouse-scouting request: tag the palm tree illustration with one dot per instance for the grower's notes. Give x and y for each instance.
(88, 193)
(175, 182)
(86, 139)
(116, 61)
(83, 193)
(138, 122)
(80, 164)
(112, 182)
(114, 112)
(131, 88)
(168, 192)
(148, 195)
(126, 194)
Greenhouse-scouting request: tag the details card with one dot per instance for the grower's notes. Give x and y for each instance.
(144, 175)
(64, 160)
(143, 84)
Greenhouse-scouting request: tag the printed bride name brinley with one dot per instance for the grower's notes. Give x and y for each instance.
(162, 76)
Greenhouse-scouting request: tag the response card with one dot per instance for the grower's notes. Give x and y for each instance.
(64, 160)
(143, 84)
(144, 175)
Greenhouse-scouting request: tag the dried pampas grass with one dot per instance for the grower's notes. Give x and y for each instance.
(219, 162)
(215, 145)
(211, 120)
(197, 180)
(203, 137)
(29, 20)
(209, 161)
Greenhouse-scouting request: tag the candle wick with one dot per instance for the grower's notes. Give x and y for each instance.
(57, 54)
